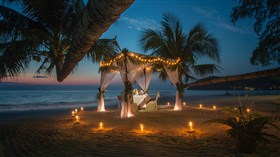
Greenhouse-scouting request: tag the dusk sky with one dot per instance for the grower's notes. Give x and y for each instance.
(236, 42)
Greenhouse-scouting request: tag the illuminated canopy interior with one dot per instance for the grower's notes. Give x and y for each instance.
(134, 67)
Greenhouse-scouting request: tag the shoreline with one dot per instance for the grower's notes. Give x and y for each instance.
(191, 101)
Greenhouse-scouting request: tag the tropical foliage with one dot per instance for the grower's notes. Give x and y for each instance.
(171, 42)
(247, 129)
(267, 18)
(44, 31)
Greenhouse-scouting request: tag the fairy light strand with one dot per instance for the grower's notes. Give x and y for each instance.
(140, 58)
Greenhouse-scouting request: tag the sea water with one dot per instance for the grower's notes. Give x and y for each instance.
(22, 100)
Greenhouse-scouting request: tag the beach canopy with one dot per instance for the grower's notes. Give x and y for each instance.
(138, 68)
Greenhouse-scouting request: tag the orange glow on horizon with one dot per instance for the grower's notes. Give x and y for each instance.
(52, 80)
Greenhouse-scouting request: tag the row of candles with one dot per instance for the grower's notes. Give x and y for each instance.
(75, 112)
(214, 107)
(141, 127)
(200, 105)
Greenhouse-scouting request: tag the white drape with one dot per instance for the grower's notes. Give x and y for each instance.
(174, 78)
(133, 73)
(145, 78)
(106, 79)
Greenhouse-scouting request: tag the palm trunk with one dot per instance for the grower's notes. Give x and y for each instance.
(270, 72)
(97, 17)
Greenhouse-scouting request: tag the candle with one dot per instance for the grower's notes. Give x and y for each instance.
(73, 113)
(142, 127)
(214, 107)
(191, 126)
(101, 125)
(77, 119)
(82, 109)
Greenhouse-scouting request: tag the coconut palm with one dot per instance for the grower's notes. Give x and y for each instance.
(43, 31)
(171, 42)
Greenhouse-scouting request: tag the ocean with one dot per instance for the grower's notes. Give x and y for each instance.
(22, 100)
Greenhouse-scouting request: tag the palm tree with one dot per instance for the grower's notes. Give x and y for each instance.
(171, 42)
(43, 31)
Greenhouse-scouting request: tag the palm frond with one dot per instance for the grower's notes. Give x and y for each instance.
(103, 49)
(151, 40)
(205, 69)
(14, 58)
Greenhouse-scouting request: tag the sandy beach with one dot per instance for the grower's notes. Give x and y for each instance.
(166, 132)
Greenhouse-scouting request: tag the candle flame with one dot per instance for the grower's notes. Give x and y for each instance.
(77, 119)
(142, 127)
(101, 125)
(191, 126)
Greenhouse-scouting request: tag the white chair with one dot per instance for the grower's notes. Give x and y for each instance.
(152, 105)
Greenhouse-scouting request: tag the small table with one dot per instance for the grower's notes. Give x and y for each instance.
(138, 99)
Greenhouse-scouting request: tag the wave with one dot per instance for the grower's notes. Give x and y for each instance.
(47, 106)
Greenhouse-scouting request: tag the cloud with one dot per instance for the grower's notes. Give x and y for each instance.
(213, 15)
(140, 23)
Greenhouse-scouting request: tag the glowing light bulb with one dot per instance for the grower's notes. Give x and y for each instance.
(141, 127)
(76, 110)
(214, 107)
(248, 110)
(200, 106)
(184, 103)
(101, 125)
(168, 103)
(191, 125)
(82, 109)
(73, 113)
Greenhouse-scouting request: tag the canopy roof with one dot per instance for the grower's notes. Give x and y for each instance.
(141, 58)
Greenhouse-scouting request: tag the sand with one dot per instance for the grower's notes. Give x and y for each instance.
(166, 132)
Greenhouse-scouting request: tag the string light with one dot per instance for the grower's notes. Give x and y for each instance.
(142, 58)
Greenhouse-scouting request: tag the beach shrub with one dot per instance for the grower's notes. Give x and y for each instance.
(247, 129)
(277, 100)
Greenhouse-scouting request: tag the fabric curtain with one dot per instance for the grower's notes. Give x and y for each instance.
(106, 79)
(174, 78)
(145, 78)
(129, 73)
